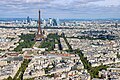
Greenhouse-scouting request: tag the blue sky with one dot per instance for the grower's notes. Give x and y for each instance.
(80, 9)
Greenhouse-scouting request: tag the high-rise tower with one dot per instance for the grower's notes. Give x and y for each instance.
(116, 25)
(39, 25)
(28, 19)
(39, 35)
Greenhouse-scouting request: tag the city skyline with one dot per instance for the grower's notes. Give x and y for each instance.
(78, 50)
(69, 9)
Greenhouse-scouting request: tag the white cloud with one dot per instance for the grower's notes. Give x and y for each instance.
(108, 3)
(32, 1)
(58, 7)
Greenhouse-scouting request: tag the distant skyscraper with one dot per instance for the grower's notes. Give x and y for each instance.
(44, 23)
(28, 19)
(54, 22)
(116, 25)
(50, 22)
(58, 22)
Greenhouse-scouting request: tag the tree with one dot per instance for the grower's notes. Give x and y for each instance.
(9, 78)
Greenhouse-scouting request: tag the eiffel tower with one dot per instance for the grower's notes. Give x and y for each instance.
(39, 36)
